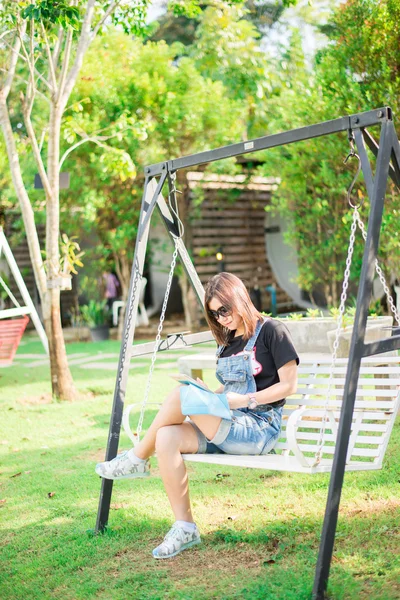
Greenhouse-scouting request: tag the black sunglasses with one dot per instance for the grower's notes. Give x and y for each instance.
(221, 312)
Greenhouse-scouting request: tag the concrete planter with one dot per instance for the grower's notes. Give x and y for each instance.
(377, 329)
(310, 335)
(317, 335)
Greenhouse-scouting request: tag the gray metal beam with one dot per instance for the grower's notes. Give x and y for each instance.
(380, 346)
(374, 147)
(360, 120)
(365, 164)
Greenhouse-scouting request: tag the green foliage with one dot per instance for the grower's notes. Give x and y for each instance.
(314, 313)
(295, 316)
(149, 109)
(56, 13)
(4, 279)
(350, 75)
(95, 313)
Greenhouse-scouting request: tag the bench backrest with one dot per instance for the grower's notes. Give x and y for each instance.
(377, 403)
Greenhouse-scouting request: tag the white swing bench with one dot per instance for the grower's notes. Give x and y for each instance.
(376, 407)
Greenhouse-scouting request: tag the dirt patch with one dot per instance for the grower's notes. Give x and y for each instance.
(369, 506)
(35, 400)
(222, 560)
(198, 562)
(94, 455)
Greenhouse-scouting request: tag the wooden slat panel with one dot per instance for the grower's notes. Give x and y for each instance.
(233, 255)
(221, 221)
(238, 205)
(236, 224)
(234, 240)
(218, 230)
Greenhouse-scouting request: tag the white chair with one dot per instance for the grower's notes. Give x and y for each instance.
(142, 314)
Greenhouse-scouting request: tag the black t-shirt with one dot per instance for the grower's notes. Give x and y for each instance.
(273, 349)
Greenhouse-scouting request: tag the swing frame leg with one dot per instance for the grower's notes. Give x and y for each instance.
(152, 197)
(358, 350)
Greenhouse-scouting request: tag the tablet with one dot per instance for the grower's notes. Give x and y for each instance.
(187, 380)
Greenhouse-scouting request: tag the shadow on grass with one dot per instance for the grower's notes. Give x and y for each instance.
(47, 553)
(56, 559)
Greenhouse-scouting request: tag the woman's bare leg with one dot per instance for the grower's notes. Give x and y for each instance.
(173, 441)
(170, 414)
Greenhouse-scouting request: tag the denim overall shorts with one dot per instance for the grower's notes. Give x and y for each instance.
(250, 431)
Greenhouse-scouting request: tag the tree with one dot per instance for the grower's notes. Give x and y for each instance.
(172, 110)
(171, 28)
(354, 73)
(43, 44)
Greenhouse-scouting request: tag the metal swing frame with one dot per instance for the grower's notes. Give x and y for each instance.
(387, 153)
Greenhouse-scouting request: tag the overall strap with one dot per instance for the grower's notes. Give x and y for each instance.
(251, 342)
(219, 350)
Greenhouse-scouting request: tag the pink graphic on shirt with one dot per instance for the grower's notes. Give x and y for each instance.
(255, 365)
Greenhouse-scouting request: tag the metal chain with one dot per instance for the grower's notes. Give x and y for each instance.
(380, 275)
(157, 341)
(125, 341)
(343, 298)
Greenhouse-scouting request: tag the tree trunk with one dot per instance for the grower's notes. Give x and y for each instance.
(24, 202)
(61, 379)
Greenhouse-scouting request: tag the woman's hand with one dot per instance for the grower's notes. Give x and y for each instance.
(237, 400)
(202, 382)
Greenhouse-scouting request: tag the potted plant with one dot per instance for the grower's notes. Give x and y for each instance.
(95, 314)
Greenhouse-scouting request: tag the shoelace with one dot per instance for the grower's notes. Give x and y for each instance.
(178, 532)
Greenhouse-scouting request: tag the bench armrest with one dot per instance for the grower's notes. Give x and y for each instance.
(125, 419)
(291, 431)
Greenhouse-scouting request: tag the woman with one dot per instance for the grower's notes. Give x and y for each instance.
(257, 367)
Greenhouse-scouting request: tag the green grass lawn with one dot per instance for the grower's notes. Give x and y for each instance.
(260, 529)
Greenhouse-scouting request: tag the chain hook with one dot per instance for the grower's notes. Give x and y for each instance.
(353, 154)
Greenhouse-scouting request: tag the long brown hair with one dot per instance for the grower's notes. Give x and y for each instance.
(232, 293)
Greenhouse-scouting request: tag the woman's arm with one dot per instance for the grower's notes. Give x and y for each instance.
(287, 385)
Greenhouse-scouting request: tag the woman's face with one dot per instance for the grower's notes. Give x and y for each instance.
(226, 317)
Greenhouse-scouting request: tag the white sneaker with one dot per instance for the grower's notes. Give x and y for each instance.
(121, 467)
(176, 540)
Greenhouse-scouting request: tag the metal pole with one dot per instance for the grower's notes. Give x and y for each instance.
(125, 352)
(353, 369)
